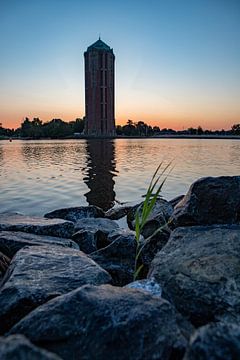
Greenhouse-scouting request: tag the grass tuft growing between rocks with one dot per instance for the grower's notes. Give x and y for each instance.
(144, 210)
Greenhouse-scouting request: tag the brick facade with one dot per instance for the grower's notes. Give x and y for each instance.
(99, 90)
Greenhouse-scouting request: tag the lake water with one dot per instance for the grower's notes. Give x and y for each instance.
(40, 176)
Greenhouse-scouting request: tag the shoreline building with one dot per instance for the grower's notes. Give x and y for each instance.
(99, 90)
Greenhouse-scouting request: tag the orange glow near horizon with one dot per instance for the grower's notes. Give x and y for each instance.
(219, 120)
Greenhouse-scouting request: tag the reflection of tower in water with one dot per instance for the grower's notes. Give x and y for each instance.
(100, 171)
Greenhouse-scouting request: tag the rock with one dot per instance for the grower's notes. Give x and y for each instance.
(36, 225)
(4, 264)
(18, 347)
(92, 234)
(39, 273)
(147, 285)
(199, 271)
(76, 213)
(154, 243)
(106, 322)
(219, 341)
(118, 212)
(118, 258)
(209, 201)
(176, 200)
(159, 216)
(12, 241)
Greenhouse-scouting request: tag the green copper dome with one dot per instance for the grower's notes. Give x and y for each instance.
(99, 45)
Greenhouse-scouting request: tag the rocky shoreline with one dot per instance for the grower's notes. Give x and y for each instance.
(67, 290)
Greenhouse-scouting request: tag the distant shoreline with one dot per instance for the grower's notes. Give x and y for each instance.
(166, 136)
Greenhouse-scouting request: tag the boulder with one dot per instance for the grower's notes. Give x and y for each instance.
(118, 212)
(210, 200)
(36, 225)
(154, 243)
(92, 234)
(176, 200)
(118, 258)
(76, 213)
(219, 341)
(105, 322)
(39, 273)
(159, 216)
(18, 347)
(199, 271)
(12, 241)
(4, 264)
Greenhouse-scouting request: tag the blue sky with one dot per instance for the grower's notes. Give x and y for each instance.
(177, 62)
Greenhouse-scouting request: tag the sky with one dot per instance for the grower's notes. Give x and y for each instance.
(177, 62)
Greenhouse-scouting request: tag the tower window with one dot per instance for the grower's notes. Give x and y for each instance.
(101, 60)
(101, 78)
(105, 78)
(105, 94)
(106, 61)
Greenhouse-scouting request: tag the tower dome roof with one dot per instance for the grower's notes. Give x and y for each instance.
(99, 45)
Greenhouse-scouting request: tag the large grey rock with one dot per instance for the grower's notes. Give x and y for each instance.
(18, 347)
(176, 200)
(159, 216)
(199, 271)
(12, 241)
(36, 225)
(209, 201)
(39, 273)
(118, 258)
(219, 341)
(76, 213)
(118, 212)
(92, 234)
(106, 322)
(4, 264)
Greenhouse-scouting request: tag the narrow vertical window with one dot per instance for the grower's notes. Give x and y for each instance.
(105, 95)
(101, 60)
(101, 91)
(101, 78)
(105, 111)
(106, 61)
(105, 78)
(101, 111)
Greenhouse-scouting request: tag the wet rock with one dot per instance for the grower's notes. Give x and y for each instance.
(92, 234)
(147, 285)
(219, 341)
(105, 322)
(118, 258)
(4, 264)
(76, 213)
(12, 241)
(176, 200)
(118, 212)
(18, 347)
(210, 200)
(199, 271)
(159, 216)
(36, 225)
(39, 273)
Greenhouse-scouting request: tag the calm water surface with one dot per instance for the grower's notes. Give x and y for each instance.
(40, 176)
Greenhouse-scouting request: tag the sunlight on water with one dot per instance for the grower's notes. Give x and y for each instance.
(40, 176)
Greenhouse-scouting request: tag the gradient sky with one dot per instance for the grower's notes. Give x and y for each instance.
(177, 62)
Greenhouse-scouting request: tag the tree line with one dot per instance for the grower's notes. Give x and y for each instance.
(57, 128)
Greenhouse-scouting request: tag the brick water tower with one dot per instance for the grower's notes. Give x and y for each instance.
(99, 90)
